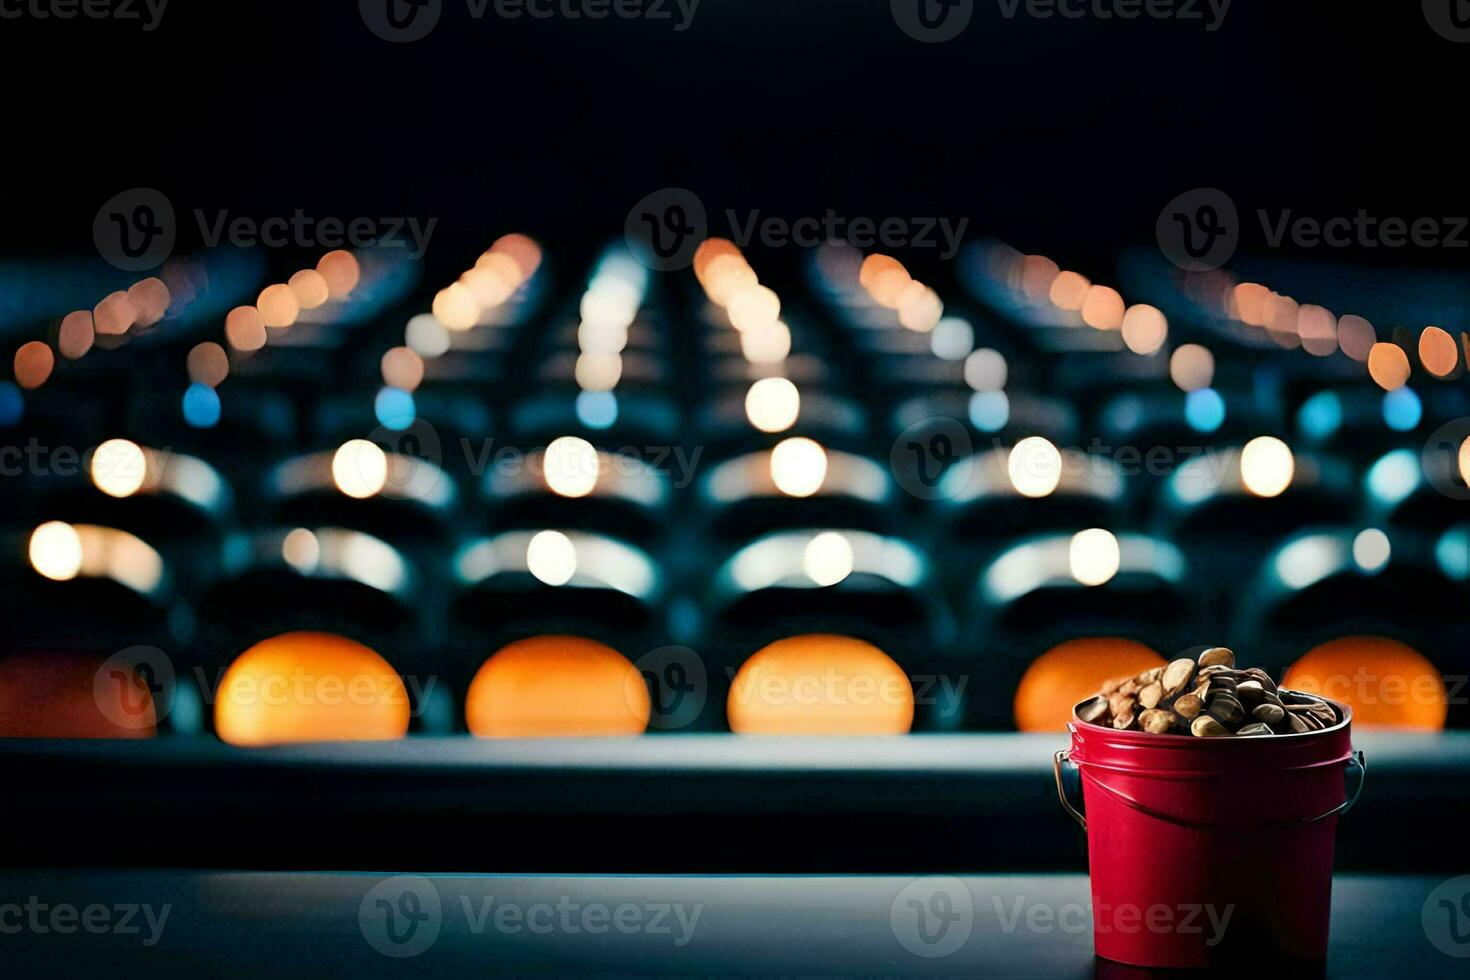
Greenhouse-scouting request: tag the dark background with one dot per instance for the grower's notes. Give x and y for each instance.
(1061, 136)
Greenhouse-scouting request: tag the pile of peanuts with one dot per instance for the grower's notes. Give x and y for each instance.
(1208, 697)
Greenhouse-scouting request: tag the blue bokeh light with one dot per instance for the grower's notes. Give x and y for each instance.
(597, 409)
(1395, 476)
(201, 406)
(12, 403)
(1320, 416)
(1402, 410)
(394, 408)
(1204, 410)
(989, 410)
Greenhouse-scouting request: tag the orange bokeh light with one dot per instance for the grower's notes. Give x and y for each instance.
(34, 362)
(1069, 290)
(523, 249)
(557, 687)
(1388, 365)
(1075, 670)
(310, 687)
(1438, 352)
(75, 335)
(60, 695)
(245, 329)
(1388, 684)
(278, 305)
(341, 270)
(820, 685)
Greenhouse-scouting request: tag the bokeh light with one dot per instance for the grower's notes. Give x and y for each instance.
(769, 344)
(1372, 549)
(820, 685)
(278, 306)
(56, 551)
(828, 558)
(402, 368)
(455, 307)
(1438, 352)
(953, 339)
(245, 328)
(1387, 683)
(341, 272)
(1356, 336)
(1192, 367)
(1062, 677)
(34, 363)
(986, 370)
(798, 467)
(557, 687)
(360, 469)
(571, 466)
(1402, 409)
(552, 558)
(1069, 290)
(1103, 308)
(772, 404)
(1388, 366)
(1267, 466)
(310, 687)
(310, 288)
(1035, 467)
(1145, 328)
(119, 467)
(1094, 556)
(75, 336)
(208, 364)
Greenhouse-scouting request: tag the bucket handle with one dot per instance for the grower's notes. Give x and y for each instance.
(1069, 784)
(1069, 787)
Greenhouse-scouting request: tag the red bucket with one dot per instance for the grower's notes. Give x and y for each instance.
(1208, 851)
